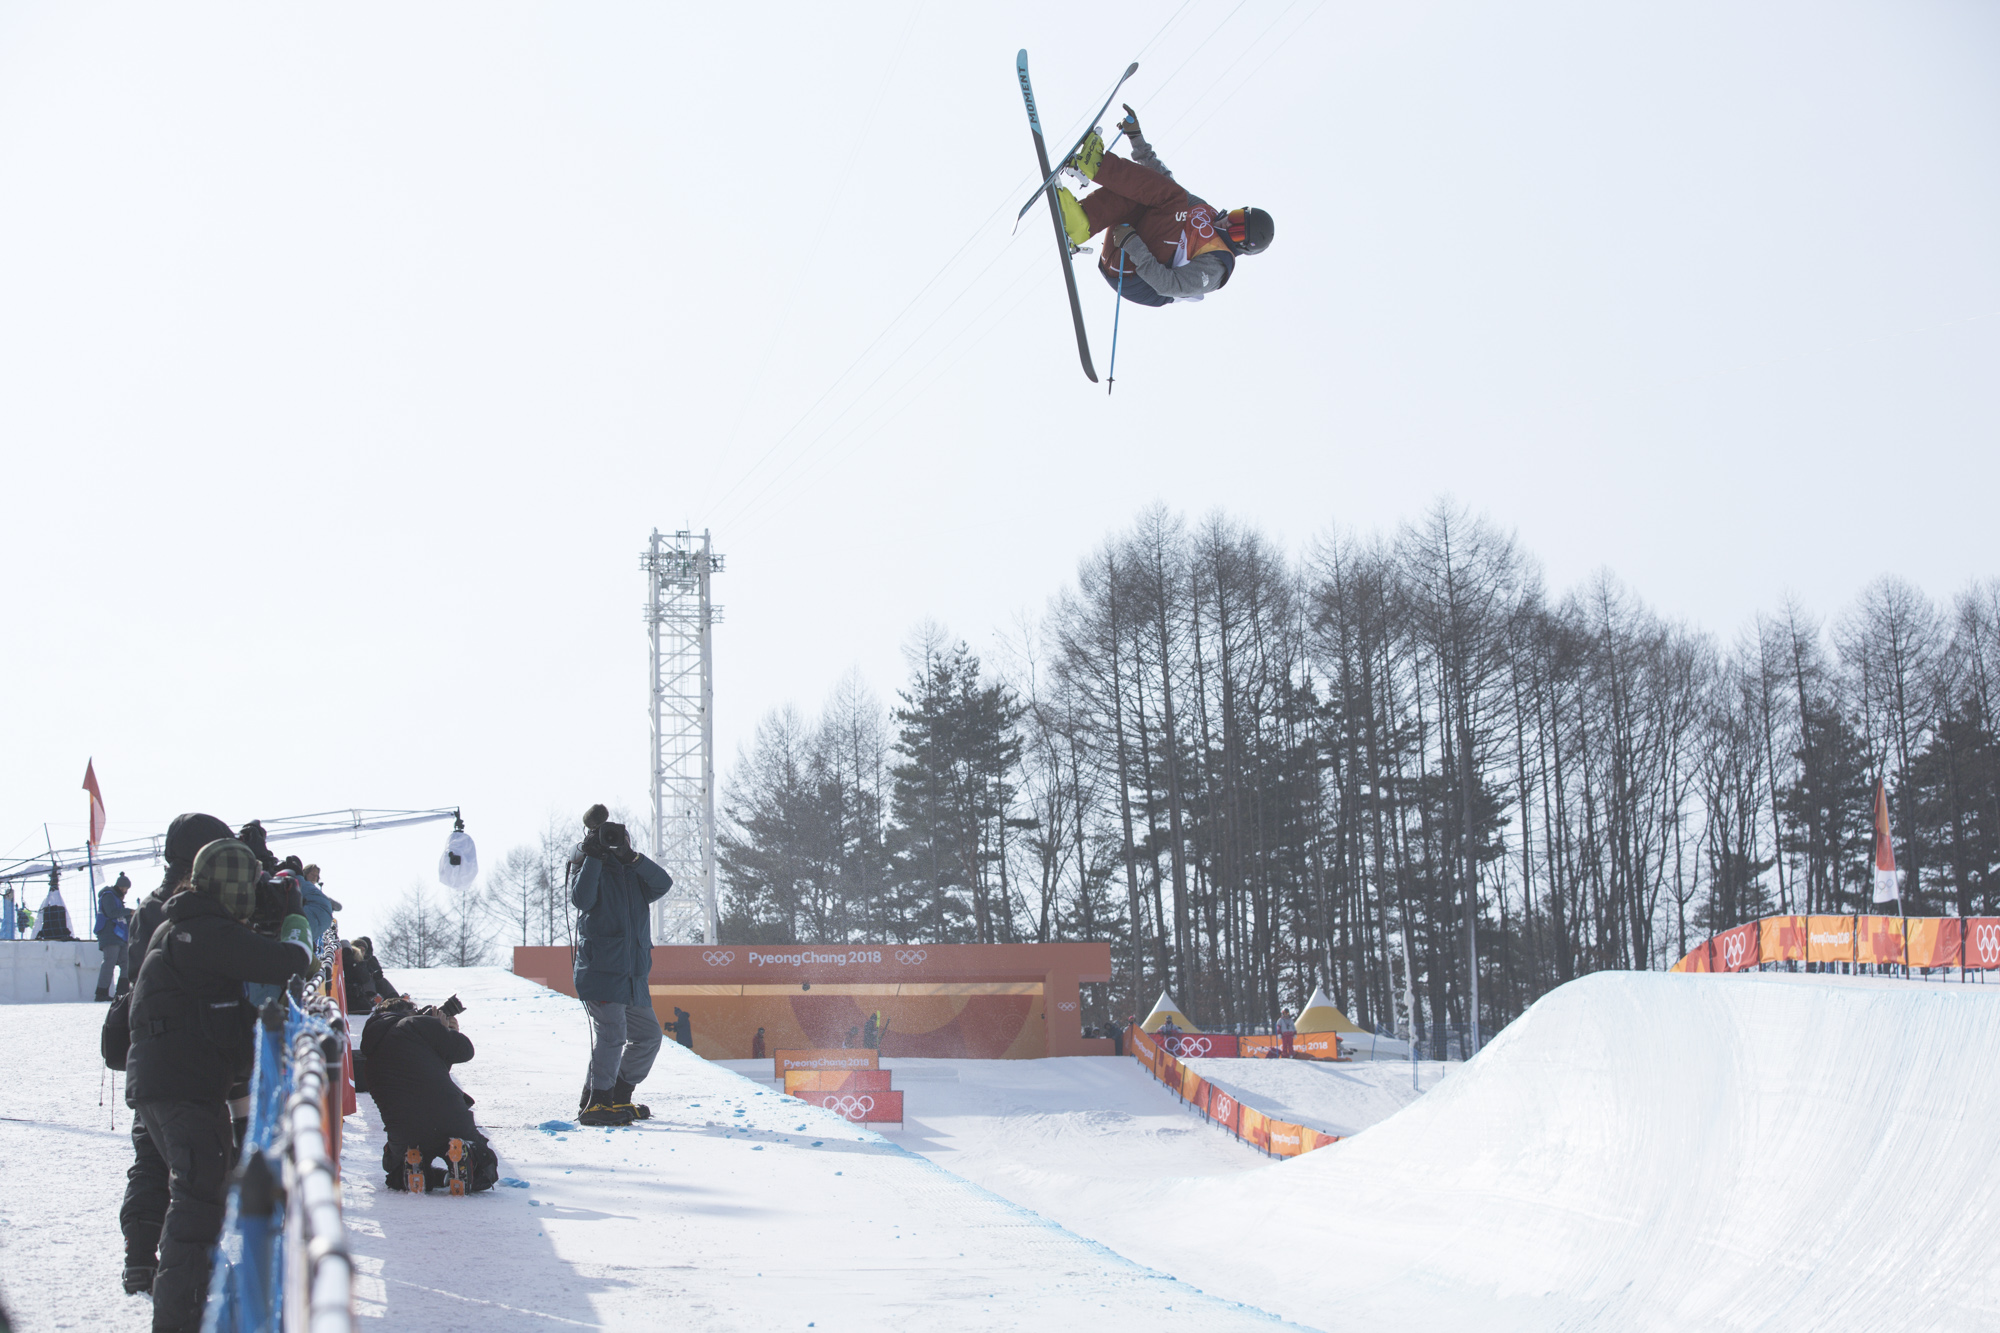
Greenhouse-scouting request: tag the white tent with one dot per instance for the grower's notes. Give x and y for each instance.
(1319, 1015)
(1165, 1009)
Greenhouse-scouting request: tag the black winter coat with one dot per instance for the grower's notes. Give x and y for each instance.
(409, 1058)
(190, 1023)
(614, 956)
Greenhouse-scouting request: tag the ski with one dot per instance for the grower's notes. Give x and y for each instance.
(1048, 176)
(1055, 215)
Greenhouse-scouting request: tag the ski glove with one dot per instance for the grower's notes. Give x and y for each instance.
(1129, 127)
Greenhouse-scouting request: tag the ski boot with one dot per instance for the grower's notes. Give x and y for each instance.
(601, 1114)
(621, 1100)
(1075, 225)
(414, 1180)
(1089, 154)
(139, 1279)
(454, 1153)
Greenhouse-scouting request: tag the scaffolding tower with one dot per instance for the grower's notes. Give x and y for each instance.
(681, 618)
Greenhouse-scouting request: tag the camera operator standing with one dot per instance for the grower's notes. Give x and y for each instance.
(190, 1042)
(614, 958)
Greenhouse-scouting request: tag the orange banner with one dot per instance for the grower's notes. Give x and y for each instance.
(1697, 960)
(784, 1061)
(1736, 949)
(1192, 1086)
(1782, 939)
(1305, 1046)
(1878, 939)
(1224, 1110)
(1285, 1138)
(1829, 939)
(859, 1107)
(836, 1080)
(1318, 1139)
(1255, 1128)
(1933, 940)
(1982, 941)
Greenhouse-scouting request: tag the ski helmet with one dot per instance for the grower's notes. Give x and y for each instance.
(1250, 230)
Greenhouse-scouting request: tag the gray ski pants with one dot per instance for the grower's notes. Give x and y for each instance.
(624, 1039)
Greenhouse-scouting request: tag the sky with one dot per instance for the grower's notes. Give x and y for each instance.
(348, 356)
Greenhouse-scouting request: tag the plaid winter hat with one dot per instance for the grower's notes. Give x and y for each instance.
(228, 870)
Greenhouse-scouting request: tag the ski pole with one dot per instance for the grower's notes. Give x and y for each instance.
(1111, 373)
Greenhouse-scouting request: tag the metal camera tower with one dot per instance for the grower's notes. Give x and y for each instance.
(681, 618)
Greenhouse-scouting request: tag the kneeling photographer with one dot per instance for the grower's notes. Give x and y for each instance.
(410, 1052)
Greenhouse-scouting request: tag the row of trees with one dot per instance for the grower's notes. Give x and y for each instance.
(1397, 766)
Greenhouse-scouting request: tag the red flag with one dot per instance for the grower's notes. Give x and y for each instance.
(96, 801)
(1886, 888)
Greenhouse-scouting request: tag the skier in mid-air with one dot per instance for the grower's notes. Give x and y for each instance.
(1171, 245)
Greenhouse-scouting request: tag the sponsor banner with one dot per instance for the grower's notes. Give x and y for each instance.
(1982, 941)
(860, 1108)
(1933, 941)
(1782, 939)
(782, 1062)
(1193, 1086)
(1878, 939)
(1255, 1128)
(836, 1080)
(1305, 1046)
(1734, 950)
(1829, 939)
(1195, 1045)
(1697, 960)
(1224, 1110)
(1167, 1069)
(1315, 1138)
(1139, 1043)
(1285, 1139)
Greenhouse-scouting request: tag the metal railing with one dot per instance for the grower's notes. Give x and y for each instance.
(283, 1262)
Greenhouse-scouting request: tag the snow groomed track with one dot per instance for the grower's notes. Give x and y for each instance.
(1649, 1151)
(1640, 1151)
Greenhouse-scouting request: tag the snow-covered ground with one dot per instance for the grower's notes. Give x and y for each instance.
(1641, 1151)
(734, 1208)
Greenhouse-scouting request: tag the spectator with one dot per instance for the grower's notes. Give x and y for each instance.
(191, 1033)
(114, 921)
(1287, 1029)
(146, 1180)
(613, 892)
(410, 1052)
(1168, 1029)
(370, 972)
(757, 1045)
(683, 1027)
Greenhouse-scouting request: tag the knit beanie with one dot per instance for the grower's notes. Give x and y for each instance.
(229, 871)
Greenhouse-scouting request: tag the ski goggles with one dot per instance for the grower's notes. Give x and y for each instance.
(1237, 222)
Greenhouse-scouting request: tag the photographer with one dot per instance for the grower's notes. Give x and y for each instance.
(409, 1053)
(190, 1034)
(614, 958)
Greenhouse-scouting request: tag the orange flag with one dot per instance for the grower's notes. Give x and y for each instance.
(96, 801)
(1886, 888)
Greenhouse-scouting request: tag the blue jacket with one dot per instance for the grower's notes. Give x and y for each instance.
(111, 916)
(614, 955)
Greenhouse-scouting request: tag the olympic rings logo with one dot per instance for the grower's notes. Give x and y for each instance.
(1987, 940)
(910, 956)
(1187, 1046)
(1066, 1005)
(849, 1106)
(1733, 951)
(718, 957)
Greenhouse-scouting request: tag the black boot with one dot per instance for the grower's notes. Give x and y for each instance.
(602, 1113)
(621, 1096)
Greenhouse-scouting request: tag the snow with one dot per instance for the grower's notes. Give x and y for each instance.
(1341, 1098)
(1640, 1151)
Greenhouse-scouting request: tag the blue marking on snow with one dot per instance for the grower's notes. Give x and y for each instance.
(514, 1184)
(555, 1126)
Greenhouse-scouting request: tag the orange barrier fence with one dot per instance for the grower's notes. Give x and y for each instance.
(1921, 942)
(1280, 1138)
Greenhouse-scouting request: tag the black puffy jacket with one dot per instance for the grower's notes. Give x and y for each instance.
(409, 1057)
(190, 1023)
